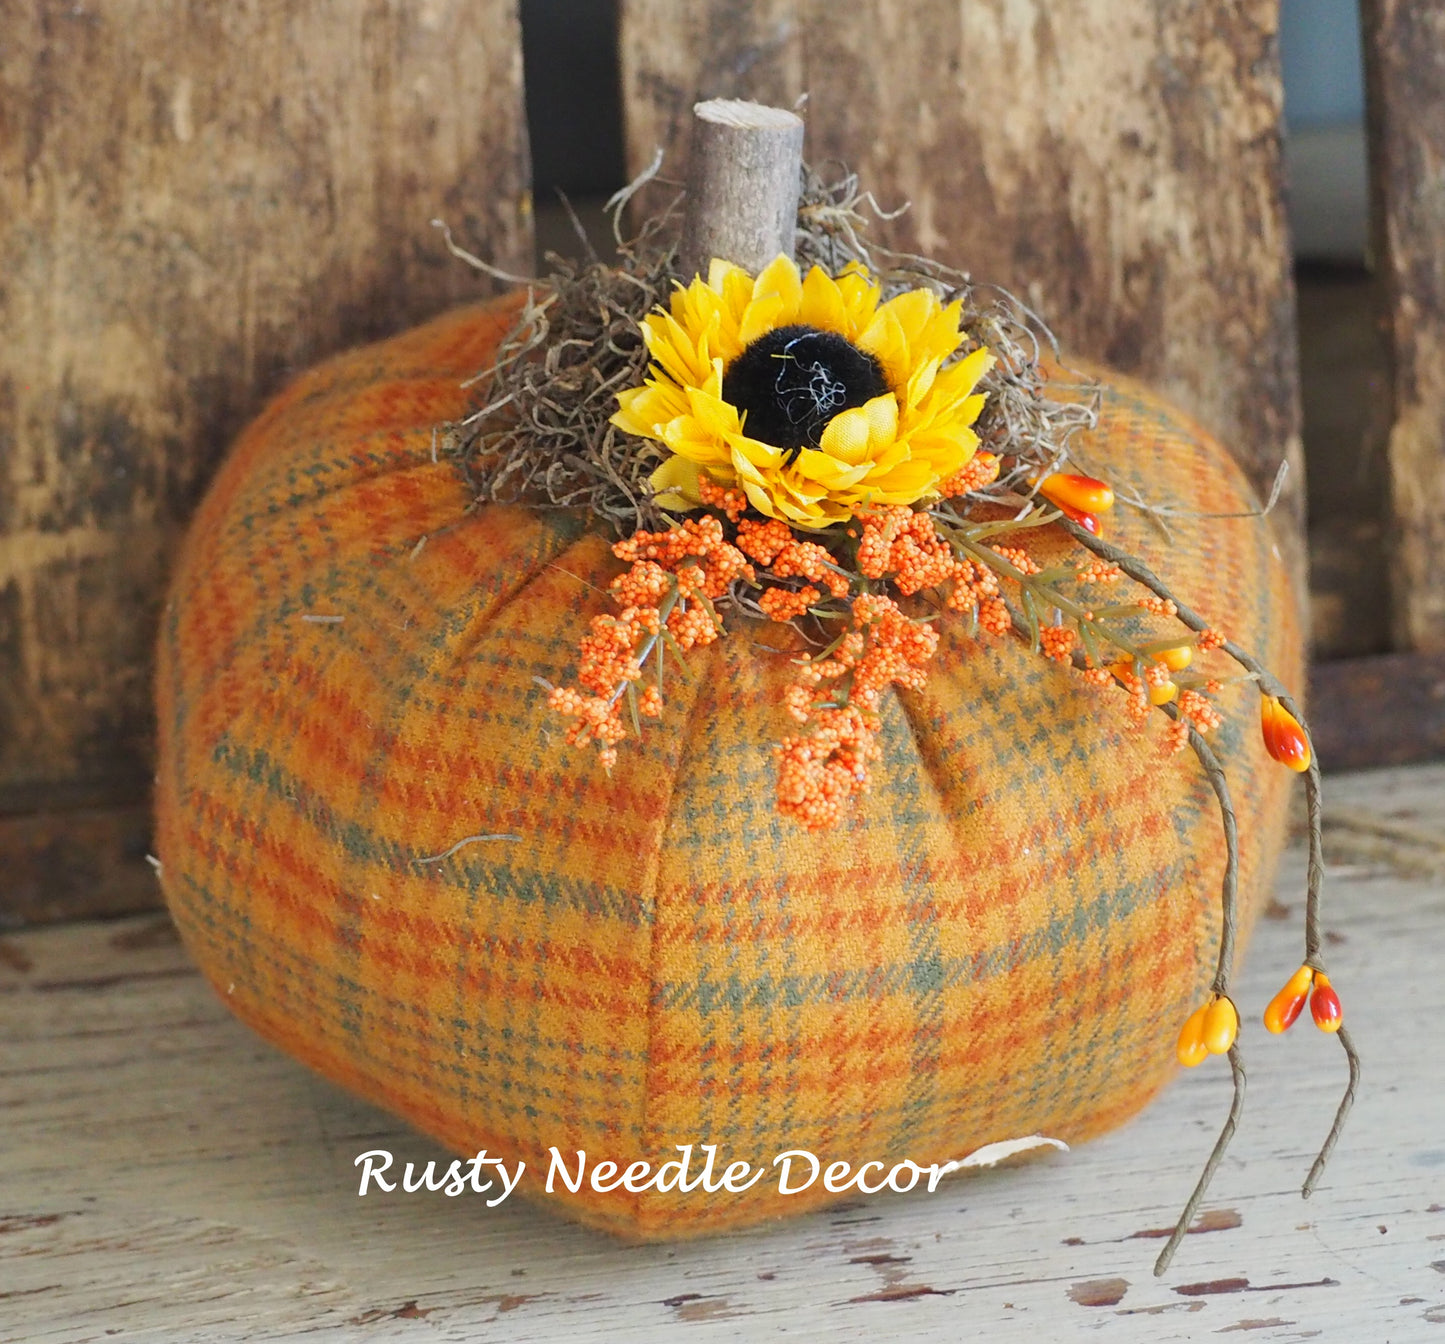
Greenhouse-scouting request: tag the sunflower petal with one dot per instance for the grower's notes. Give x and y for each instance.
(822, 303)
(846, 436)
(675, 485)
(780, 277)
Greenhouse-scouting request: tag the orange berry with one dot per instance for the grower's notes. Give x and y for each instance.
(1178, 658)
(1325, 1004)
(1084, 494)
(1287, 1005)
(1284, 739)
(1088, 521)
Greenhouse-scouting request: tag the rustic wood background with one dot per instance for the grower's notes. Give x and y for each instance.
(1405, 72)
(1114, 162)
(195, 201)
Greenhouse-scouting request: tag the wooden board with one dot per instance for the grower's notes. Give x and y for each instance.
(1385, 710)
(1116, 163)
(196, 201)
(1405, 70)
(165, 1176)
(69, 861)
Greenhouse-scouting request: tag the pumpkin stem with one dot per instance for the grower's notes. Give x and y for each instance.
(743, 180)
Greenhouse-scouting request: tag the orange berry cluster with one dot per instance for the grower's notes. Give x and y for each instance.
(1095, 570)
(818, 774)
(1154, 685)
(981, 470)
(694, 544)
(773, 545)
(670, 583)
(1057, 642)
(976, 588)
(719, 497)
(786, 604)
(898, 541)
(1019, 558)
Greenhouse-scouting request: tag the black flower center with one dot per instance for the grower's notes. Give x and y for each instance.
(794, 380)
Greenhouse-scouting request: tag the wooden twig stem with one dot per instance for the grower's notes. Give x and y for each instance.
(742, 186)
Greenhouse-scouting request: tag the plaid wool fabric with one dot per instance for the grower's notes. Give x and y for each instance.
(1002, 939)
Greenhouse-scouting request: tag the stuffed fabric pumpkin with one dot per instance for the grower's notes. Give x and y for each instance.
(999, 941)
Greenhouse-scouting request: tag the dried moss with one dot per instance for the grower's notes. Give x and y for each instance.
(541, 432)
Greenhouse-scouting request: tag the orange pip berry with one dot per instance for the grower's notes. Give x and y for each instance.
(1221, 1025)
(1289, 1003)
(1284, 739)
(1081, 493)
(1088, 521)
(1325, 1004)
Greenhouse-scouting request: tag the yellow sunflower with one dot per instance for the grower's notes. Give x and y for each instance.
(808, 393)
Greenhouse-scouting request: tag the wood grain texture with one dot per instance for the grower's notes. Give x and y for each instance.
(168, 1177)
(1114, 162)
(1384, 710)
(75, 863)
(742, 191)
(195, 201)
(1405, 70)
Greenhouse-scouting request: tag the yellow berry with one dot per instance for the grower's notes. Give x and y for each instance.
(1221, 1025)
(1191, 1048)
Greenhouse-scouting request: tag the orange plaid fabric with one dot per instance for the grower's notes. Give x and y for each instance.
(1001, 940)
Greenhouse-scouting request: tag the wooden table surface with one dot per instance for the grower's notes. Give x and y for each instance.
(166, 1176)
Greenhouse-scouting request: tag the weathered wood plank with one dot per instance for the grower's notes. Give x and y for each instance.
(1114, 162)
(1405, 80)
(195, 201)
(1384, 710)
(143, 1188)
(75, 863)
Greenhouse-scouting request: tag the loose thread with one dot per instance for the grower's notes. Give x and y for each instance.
(1314, 883)
(1215, 1157)
(461, 844)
